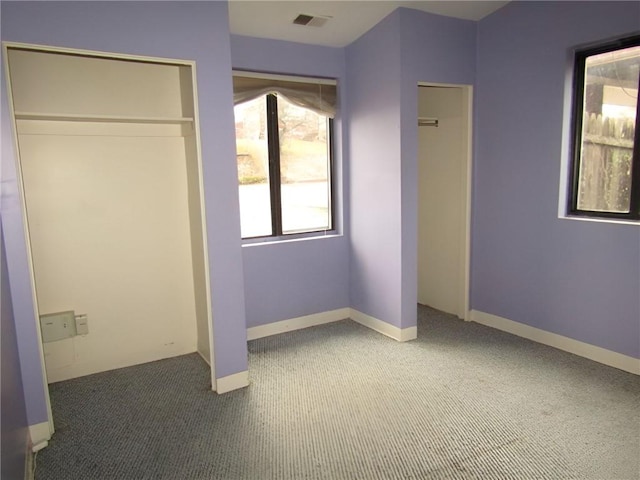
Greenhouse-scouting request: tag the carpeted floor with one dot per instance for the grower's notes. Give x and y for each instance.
(340, 401)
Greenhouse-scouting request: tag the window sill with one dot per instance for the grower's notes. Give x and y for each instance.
(600, 220)
(251, 242)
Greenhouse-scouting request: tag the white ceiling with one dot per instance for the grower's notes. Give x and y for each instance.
(350, 18)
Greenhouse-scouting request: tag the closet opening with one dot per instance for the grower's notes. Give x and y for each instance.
(444, 197)
(108, 157)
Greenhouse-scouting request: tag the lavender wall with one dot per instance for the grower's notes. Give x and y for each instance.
(434, 49)
(290, 279)
(374, 129)
(185, 30)
(574, 278)
(15, 434)
(384, 68)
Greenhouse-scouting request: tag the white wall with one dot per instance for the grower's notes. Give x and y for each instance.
(442, 199)
(71, 84)
(108, 208)
(109, 229)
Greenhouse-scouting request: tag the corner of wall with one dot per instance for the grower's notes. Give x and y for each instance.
(399, 334)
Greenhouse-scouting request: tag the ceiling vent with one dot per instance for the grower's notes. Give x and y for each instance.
(310, 20)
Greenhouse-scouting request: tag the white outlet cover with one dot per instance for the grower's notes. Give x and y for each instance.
(57, 326)
(82, 325)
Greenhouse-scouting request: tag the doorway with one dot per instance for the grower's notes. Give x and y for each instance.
(108, 155)
(444, 186)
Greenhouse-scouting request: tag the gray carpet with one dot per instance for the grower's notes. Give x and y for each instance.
(342, 402)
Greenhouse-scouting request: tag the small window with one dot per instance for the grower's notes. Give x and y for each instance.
(284, 155)
(605, 173)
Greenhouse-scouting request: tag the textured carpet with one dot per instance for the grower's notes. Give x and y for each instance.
(342, 402)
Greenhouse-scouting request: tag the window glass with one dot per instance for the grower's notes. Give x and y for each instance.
(606, 148)
(284, 167)
(304, 168)
(253, 168)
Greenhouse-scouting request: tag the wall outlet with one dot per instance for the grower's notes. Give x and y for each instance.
(57, 326)
(82, 324)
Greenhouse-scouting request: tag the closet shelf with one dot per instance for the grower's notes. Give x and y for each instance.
(72, 117)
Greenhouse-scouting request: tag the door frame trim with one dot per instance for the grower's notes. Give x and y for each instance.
(27, 237)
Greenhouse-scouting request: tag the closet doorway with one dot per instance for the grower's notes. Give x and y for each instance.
(444, 192)
(109, 162)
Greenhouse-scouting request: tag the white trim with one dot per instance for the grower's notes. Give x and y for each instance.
(232, 382)
(123, 128)
(467, 92)
(27, 237)
(29, 460)
(96, 53)
(446, 85)
(399, 334)
(290, 237)
(292, 324)
(205, 233)
(592, 352)
(81, 117)
(39, 435)
(600, 220)
(297, 323)
(284, 78)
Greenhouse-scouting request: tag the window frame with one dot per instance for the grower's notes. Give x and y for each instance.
(579, 71)
(275, 180)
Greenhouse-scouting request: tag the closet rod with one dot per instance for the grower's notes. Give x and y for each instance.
(427, 122)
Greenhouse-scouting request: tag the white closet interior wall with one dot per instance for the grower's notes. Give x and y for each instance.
(442, 180)
(112, 190)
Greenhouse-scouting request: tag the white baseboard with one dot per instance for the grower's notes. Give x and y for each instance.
(297, 323)
(232, 382)
(597, 354)
(39, 434)
(275, 328)
(399, 334)
(29, 473)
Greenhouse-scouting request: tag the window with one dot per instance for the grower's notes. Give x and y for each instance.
(284, 155)
(605, 173)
